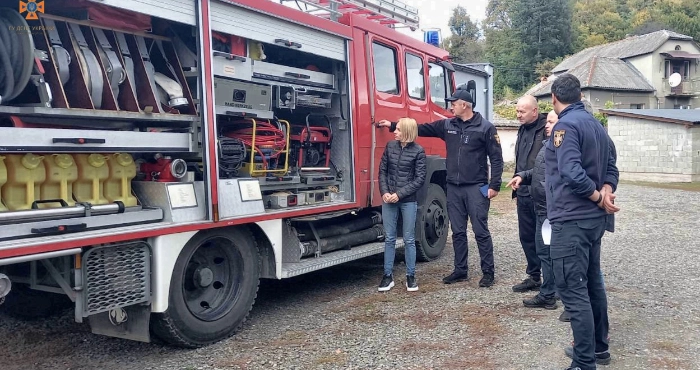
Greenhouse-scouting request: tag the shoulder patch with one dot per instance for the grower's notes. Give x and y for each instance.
(558, 137)
(497, 138)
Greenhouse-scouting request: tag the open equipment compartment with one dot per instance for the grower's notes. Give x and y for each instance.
(282, 114)
(102, 131)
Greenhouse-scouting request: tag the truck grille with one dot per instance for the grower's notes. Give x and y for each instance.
(116, 276)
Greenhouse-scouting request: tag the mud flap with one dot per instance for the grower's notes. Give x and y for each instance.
(131, 322)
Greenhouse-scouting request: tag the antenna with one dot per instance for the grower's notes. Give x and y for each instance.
(675, 79)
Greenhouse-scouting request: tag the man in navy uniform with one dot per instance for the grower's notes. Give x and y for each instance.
(580, 180)
(470, 139)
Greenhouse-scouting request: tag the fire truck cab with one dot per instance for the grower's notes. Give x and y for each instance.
(157, 159)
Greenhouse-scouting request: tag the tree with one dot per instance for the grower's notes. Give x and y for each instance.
(597, 22)
(461, 24)
(502, 47)
(464, 44)
(544, 29)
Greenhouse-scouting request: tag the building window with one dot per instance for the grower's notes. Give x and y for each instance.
(438, 85)
(415, 76)
(681, 67)
(385, 69)
(636, 106)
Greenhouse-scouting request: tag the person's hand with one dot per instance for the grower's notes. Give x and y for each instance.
(385, 197)
(393, 198)
(514, 183)
(492, 193)
(608, 201)
(384, 123)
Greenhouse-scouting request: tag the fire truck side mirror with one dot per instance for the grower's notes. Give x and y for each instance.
(471, 87)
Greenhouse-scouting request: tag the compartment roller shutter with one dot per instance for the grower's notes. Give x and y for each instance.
(236, 20)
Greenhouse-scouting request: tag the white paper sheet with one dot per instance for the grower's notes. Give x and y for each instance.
(546, 232)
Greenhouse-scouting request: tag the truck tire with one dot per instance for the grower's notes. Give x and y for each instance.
(212, 290)
(29, 304)
(432, 224)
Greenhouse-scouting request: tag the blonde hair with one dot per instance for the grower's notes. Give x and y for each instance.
(409, 129)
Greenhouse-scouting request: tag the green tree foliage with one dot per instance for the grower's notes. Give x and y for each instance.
(544, 29)
(464, 45)
(526, 39)
(597, 22)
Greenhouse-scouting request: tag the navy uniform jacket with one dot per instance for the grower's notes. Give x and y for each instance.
(579, 160)
(468, 145)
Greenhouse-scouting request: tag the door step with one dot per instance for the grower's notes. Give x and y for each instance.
(334, 258)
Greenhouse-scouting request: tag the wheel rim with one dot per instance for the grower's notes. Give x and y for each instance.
(434, 223)
(211, 283)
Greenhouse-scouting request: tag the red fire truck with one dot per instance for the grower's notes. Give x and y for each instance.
(159, 158)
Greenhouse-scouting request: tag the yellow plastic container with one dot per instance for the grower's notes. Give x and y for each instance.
(25, 174)
(61, 172)
(92, 173)
(3, 180)
(122, 170)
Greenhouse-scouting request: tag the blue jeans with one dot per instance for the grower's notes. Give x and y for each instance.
(390, 218)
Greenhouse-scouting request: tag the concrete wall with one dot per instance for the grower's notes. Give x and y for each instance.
(655, 151)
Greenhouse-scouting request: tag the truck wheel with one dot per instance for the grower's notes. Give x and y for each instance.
(29, 304)
(213, 288)
(431, 225)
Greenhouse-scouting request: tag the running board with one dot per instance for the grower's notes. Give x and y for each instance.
(334, 258)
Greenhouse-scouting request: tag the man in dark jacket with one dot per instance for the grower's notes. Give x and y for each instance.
(531, 134)
(534, 178)
(580, 180)
(470, 140)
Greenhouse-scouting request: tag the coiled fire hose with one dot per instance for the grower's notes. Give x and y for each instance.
(16, 54)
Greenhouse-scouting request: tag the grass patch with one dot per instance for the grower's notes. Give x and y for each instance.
(688, 186)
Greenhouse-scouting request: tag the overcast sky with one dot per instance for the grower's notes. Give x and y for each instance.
(436, 13)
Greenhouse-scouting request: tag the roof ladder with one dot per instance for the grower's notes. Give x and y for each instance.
(392, 13)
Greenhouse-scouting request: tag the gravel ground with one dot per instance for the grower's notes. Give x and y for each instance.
(335, 318)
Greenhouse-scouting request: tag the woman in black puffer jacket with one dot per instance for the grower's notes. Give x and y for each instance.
(402, 172)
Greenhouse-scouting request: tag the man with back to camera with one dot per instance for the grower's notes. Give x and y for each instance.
(580, 179)
(469, 139)
(531, 135)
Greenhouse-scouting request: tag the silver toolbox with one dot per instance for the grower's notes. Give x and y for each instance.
(279, 73)
(234, 97)
(314, 197)
(232, 66)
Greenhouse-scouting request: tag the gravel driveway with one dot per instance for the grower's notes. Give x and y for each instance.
(335, 318)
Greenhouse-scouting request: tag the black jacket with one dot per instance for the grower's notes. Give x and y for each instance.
(402, 170)
(534, 178)
(469, 144)
(530, 141)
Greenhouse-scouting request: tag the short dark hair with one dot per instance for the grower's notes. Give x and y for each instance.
(567, 88)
